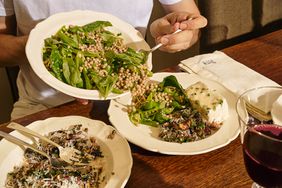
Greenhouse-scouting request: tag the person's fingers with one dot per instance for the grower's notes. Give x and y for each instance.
(82, 101)
(195, 23)
(175, 47)
(177, 17)
(171, 39)
(176, 42)
(164, 27)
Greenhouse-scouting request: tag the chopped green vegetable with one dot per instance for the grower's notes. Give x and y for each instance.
(167, 106)
(91, 57)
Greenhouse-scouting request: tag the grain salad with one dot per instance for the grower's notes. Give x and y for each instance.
(167, 106)
(36, 171)
(94, 58)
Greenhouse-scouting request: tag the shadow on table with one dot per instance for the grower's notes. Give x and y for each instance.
(141, 151)
(99, 111)
(144, 175)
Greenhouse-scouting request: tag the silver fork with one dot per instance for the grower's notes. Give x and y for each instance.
(22, 144)
(68, 154)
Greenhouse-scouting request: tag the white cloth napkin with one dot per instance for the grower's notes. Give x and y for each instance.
(233, 75)
(276, 111)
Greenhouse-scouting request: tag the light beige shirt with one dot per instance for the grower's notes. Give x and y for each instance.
(33, 92)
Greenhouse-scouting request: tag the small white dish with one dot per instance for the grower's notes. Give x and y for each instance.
(51, 25)
(147, 137)
(117, 170)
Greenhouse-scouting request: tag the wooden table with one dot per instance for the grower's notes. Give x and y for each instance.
(220, 168)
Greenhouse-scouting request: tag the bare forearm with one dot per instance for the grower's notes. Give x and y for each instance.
(184, 5)
(12, 50)
(183, 15)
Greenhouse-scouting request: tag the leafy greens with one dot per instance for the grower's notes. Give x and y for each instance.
(90, 57)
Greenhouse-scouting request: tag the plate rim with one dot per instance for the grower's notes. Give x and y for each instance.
(175, 152)
(113, 178)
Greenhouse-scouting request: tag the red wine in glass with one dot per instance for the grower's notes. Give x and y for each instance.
(262, 149)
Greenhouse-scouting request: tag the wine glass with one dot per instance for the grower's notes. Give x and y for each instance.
(260, 115)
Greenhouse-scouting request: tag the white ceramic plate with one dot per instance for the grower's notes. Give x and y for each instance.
(113, 149)
(147, 137)
(51, 25)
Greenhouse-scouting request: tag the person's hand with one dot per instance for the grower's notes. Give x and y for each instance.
(190, 24)
(82, 101)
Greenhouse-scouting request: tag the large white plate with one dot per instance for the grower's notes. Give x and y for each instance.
(51, 25)
(147, 137)
(116, 151)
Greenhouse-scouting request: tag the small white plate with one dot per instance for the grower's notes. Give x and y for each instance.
(51, 25)
(147, 137)
(113, 149)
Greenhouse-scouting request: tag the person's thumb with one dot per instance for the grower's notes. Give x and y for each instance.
(161, 27)
(195, 23)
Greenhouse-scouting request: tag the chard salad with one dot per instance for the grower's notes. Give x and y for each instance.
(94, 58)
(182, 115)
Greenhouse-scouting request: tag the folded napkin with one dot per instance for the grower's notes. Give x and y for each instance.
(276, 111)
(231, 74)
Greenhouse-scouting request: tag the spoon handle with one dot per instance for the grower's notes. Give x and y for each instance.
(160, 44)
